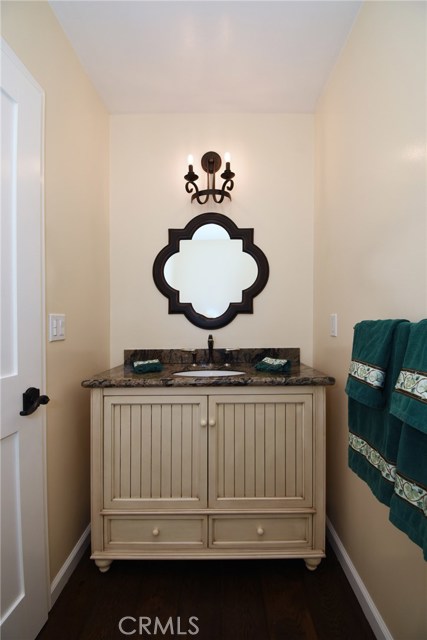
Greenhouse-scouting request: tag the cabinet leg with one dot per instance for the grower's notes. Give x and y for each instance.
(103, 565)
(312, 563)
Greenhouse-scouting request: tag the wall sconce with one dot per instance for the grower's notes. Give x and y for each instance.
(211, 163)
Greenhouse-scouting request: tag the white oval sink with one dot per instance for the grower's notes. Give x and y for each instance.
(208, 373)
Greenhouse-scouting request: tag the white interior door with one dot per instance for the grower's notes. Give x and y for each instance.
(24, 574)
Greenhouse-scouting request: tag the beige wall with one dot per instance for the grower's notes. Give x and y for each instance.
(370, 262)
(76, 211)
(273, 157)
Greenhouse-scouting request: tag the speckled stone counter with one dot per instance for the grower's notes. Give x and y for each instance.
(176, 360)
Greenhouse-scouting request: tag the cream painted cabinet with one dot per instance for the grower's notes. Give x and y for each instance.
(210, 471)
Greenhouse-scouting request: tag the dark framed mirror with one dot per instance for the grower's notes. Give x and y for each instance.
(210, 270)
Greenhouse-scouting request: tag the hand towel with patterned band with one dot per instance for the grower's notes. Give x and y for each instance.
(409, 402)
(374, 433)
(370, 357)
(408, 507)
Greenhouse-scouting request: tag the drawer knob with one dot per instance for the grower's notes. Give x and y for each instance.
(156, 532)
(260, 531)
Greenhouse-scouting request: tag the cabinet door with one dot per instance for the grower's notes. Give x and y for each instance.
(155, 452)
(261, 451)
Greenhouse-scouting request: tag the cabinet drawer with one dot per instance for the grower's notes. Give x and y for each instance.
(139, 532)
(275, 531)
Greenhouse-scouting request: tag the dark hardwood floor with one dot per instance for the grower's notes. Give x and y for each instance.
(208, 600)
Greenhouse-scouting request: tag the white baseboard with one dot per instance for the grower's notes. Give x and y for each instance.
(372, 614)
(63, 575)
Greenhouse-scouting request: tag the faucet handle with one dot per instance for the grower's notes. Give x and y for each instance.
(193, 352)
(228, 356)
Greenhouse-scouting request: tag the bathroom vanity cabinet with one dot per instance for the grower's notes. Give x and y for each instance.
(208, 472)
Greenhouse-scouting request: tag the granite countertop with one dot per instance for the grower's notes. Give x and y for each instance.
(175, 360)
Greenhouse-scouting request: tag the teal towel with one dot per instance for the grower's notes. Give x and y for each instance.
(372, 342)
(374, 433)
(408, 507)
(409, 401)
(147, 366)
(273, 364)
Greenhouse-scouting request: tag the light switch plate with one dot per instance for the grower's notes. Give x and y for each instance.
(56, 327)
(333, 325)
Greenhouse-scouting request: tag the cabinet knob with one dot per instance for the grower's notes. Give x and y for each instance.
(156, 532)
(260, 531)
(203, 423)
(212, 422)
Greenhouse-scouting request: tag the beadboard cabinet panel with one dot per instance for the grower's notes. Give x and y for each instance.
(260, 453)
(154, 452)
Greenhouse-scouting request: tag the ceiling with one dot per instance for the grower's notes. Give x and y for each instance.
(207, 56)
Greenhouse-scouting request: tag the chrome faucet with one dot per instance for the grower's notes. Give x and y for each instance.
(210, 348)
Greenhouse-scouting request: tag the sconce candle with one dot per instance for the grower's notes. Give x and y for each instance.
(211, 163)
(191, 177)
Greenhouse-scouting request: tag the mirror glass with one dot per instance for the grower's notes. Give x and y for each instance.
(210, 270)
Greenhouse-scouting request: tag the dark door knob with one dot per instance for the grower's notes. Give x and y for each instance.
(31, 400)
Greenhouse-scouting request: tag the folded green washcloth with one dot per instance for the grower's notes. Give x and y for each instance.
(370, 358)
(273, 364)
(147, 366)
(409, 399)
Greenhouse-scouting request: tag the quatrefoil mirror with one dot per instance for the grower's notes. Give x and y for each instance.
(210, 270)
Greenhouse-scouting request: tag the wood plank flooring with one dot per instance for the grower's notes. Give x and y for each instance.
(208, 600)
